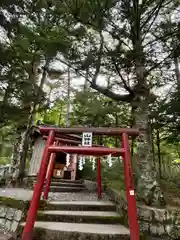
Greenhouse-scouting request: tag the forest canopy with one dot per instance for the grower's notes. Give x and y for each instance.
(93, 63)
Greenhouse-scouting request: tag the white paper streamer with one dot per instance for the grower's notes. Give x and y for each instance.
(80, 165)
(109, 159)
(93, 163)
(67, 159)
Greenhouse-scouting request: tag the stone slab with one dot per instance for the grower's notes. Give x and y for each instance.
(87, 203)
(83, 228)
(66, 189)
(82, 213)
(17, 193)
(67, 184)
(81, 205)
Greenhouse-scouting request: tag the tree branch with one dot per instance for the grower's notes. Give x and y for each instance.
(154, 18)
(156, 65)
(154, 13)
(99, 60)
(107, 92)
(120, 75)
(104, 90)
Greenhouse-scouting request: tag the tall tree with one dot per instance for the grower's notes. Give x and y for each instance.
(123, 48)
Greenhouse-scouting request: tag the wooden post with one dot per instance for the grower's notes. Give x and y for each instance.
(31, 217)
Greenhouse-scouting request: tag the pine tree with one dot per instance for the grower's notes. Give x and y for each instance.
(123, 46)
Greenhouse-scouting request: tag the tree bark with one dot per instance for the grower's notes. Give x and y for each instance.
(14, 160)
(23, 149)
(25, 136)
(4, 103)
(148, 188)
(68, 99)
(158, 142)
(177, 72)
(153, 150)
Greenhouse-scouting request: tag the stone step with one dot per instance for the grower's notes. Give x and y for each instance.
(74, 231)
(66, 184)
(66, 189)
(80, 217)
(66, 180)
(81, 205)
(34, 178)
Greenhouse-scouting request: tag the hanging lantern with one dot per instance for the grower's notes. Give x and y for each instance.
(67, 159)
(80, 165)
(109, 159)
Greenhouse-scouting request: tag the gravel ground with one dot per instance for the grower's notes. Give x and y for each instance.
(25, 194)
(79, 196)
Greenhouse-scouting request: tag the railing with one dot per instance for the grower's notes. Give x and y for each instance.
(51, 150)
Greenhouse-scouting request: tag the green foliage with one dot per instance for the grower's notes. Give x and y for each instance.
(131, 47)
(93, 109)
(87, 172)
(111, 176)
(4, 160)
(55, 115)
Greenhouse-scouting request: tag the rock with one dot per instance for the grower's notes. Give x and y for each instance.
(4, 236)
(18, 215)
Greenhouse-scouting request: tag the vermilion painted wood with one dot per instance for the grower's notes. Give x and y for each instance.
(65, 141)
(32, 212)
(99, 184)
(49, 174)
(70, 142)
(131, 198)
(95, 131)
(95, 151)
(69, 136)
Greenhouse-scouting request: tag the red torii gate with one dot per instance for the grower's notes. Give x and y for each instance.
(59, 136)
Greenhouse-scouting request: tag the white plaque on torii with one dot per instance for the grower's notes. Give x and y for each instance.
(87, 139)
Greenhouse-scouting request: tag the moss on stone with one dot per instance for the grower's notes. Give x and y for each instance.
(14, 203)
(19, 204)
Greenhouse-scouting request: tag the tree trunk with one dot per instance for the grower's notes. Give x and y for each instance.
(14, 160)
(148, 188)
(85, 81)
(68, 100)
(4, 103)
(153, 150)
(158, 142)
(177, 72)
(60, 114)
(116, 124)
(23, 150)
(25, 136)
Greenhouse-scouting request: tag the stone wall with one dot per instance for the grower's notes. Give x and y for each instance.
(11, 213)
(154, 222)
(91, 186)
(9, 219)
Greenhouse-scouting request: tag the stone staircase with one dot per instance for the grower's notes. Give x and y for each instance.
(78, 220)
(58, 185)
